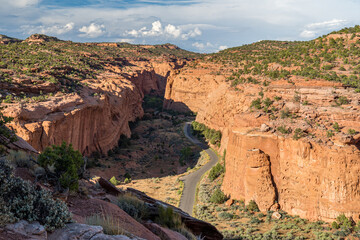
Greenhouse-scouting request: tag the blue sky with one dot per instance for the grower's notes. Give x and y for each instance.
(196, 25)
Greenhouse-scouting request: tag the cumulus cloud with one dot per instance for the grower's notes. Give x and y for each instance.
(202, 46)
(313, 29)
(92, 31)
(223, 47)
(170, 31)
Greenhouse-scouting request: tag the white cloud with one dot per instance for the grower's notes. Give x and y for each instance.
(223, 47)
(191, 34)
(335, 23)
(313, 29)
(127, 40)
(23, 3)
(308, 34)
(49, 30)
(170, 31)
(92, 31)
(202, 46)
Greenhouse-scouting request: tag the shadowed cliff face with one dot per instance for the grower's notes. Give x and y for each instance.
(315, 175)
(94, 118)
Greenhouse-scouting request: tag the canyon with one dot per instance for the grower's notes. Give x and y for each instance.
(314, 175)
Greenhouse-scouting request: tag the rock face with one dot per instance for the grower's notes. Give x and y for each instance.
(314, 176)
(258, 183)
(24, 230)
(93, 119)
(164, 233)
(82, 208)
(85, 232)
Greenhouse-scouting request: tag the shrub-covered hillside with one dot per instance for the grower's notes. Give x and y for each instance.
(334, 57)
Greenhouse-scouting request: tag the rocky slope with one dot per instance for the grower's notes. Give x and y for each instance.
(87, 102)
(292, 141)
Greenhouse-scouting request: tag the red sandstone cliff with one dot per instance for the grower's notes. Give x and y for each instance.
(315, 177)
(93, 119)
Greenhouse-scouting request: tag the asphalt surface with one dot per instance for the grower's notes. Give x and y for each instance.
(190, 181)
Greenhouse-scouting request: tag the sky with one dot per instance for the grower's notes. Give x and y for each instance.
(195, 25)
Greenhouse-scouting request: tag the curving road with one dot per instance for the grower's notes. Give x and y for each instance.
(190, 181)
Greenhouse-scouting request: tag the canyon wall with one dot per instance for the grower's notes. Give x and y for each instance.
(314, 176)
(94, 118)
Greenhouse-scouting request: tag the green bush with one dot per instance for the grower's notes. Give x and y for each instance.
(63, 165)
(335, 225)
(351, 131)
(133, 206)
(20, 200)
(226, 215)
(114, 181)
(252, 206)
(167, 217)
(256, 103)
(218, 197)
(216, 171)
(298, 133)
(283, 130)
(201, 130)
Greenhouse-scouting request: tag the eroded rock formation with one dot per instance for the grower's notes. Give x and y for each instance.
(315, 175)
(93, 119)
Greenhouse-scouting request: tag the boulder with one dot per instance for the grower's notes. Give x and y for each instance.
(164, 233)
(79, 231)
(264, 128)
(83, 208)
(24, 230)
(109, 187)
(276, 215)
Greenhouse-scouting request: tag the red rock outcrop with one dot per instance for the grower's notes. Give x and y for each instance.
(316, 176)
(93, 119)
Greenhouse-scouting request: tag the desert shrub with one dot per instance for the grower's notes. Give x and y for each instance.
(285, 113)
(167, 217)
(252, 206)
(329, 133)
(201, 130)
(132, 206)
(110, 224)
(255, 220)
(226, 215)
(344, 223)
(335, 225)
(153, 102)
(218, 197)
(298, 133)
(351, 131)
(256, 103)
(216, 171)
(21, 200)
(342, 100)
(283, 130)
(336, 127)
(19, 158)
(63, 165)
(114, 181)
(7, 135)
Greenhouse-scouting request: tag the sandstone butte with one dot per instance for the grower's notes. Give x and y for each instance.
(315, 177)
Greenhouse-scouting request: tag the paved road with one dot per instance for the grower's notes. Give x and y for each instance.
(190, 181)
